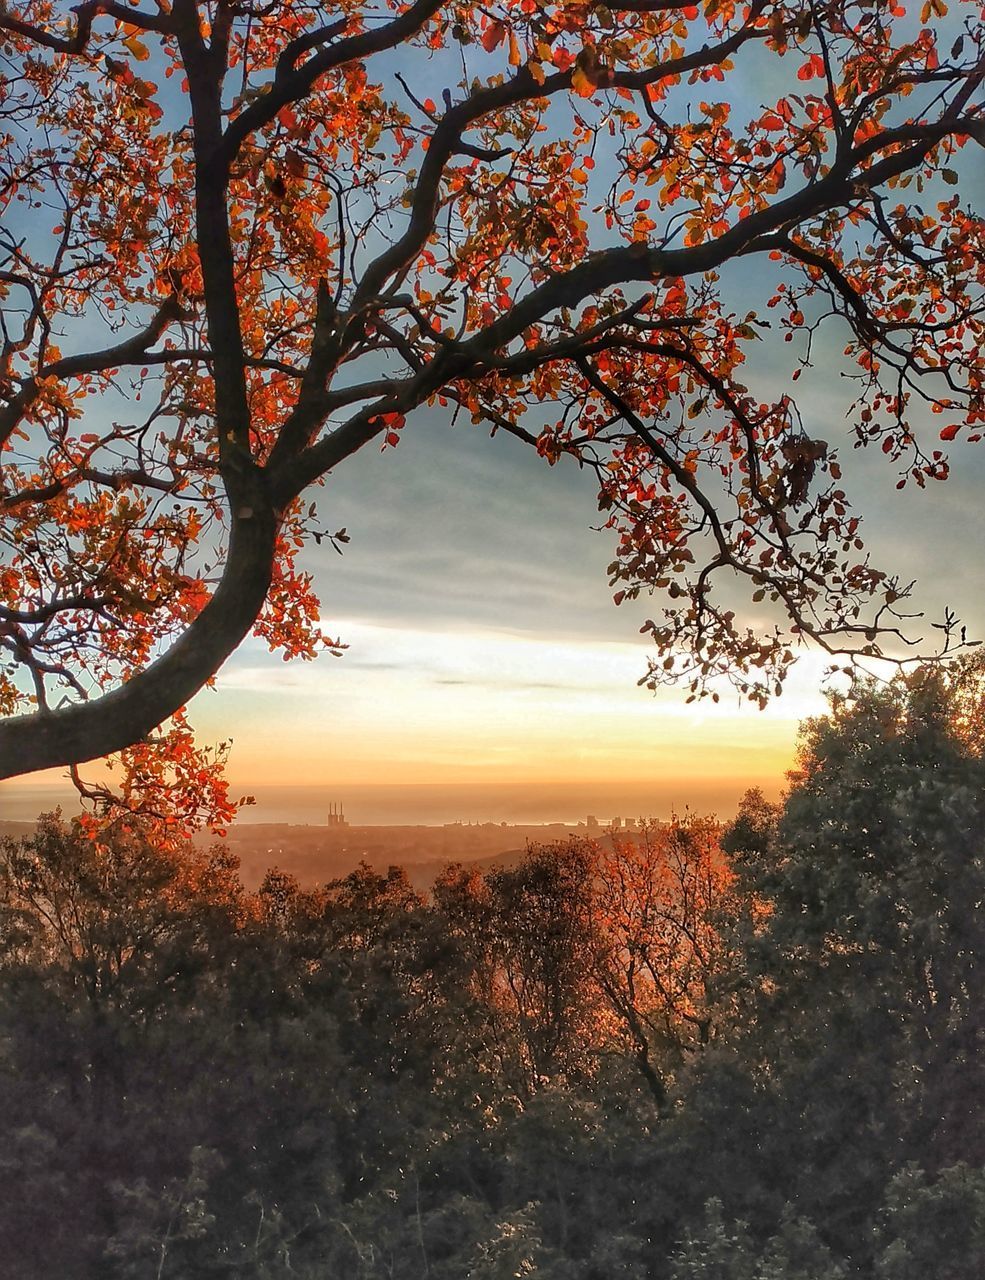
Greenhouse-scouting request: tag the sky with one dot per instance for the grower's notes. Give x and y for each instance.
(488, 675)
(485, 656)
(485, 650)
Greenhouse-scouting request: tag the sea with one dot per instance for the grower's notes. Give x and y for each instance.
(435, 804)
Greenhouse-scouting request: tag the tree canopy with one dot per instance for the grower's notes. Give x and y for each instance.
(243, 241)
(749, 1054)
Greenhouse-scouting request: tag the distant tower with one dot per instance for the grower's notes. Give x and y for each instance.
(336, 818)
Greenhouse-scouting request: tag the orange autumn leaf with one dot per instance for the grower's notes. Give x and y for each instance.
(493, 36)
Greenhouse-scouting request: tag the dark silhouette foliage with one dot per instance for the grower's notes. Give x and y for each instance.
(742, 1054)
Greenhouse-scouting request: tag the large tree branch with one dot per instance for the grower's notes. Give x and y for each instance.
(115, 720)
(85, 16)
(640, 262)
(446, 141)
(309, 413)
(205, 77)
(627, 264)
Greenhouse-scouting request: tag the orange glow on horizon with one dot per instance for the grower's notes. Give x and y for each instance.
(479, 710)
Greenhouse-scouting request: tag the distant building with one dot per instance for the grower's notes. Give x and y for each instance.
(593, 822)
(616, 823)
(336, 818)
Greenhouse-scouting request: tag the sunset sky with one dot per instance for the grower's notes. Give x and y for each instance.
(487, 666)
(485, 648)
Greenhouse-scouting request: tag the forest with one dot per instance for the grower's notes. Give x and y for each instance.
(241, 244)
(742, 1051)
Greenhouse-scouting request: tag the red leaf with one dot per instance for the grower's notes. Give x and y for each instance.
(493, 35)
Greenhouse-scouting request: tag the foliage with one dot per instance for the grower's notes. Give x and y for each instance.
(663, 1055)
(934, 1227)
(243, 242)
(669, 913)
(873, 882)
(116, 918)
(720, 1251)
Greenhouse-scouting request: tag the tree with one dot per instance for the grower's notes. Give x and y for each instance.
(724, 1252)
(666, 914)
(104, 948)
(242, 243)
(871, 885)
(528, 939)
(118, 921)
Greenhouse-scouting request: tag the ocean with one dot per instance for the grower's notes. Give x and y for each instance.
(434, 804)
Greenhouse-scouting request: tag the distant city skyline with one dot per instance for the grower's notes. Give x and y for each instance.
(437, 804)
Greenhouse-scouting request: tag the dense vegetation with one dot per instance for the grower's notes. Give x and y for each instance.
(740, 1054)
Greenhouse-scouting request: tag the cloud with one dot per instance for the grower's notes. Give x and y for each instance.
(428, 704)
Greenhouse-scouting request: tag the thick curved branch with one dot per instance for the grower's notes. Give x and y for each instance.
(115, 720)
(634, 263)
(639, 262)
(446, 141)
(205, 77)
(308, 414)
